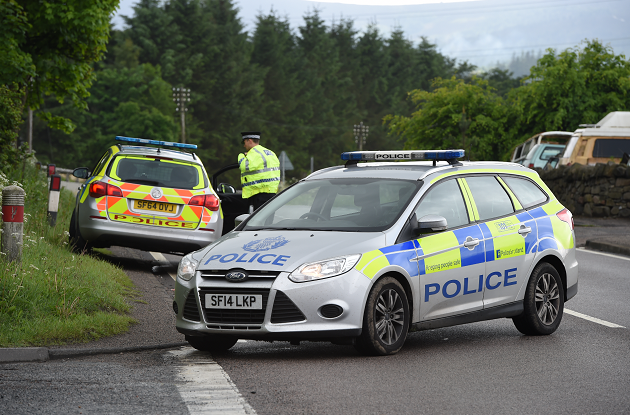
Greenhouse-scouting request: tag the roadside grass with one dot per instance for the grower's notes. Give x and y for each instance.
(55, 296)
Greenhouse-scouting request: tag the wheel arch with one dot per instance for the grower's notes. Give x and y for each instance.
(406, 286)
(559, 266)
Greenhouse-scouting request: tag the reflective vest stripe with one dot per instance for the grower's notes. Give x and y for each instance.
(260, 171)
(273, 179)
(263, 157)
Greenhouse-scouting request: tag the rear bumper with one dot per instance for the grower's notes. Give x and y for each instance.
(104, 233)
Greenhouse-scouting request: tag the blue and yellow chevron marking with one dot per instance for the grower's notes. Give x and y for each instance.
(402, 255)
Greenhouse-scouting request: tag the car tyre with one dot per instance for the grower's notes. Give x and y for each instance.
(385, 320)
(543, 303)
(77, 243)
(212, 343)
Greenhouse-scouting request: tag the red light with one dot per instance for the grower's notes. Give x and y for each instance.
(98, 189)
(531, 165)
(209, 201)
(206, 229)
(212, 202)
(55, 183)
(196, 200)
(114, 191)
(565, 216)
(158, 158)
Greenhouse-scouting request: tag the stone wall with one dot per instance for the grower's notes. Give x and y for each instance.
(601, 190)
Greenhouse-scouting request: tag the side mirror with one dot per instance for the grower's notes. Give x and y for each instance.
(431, 223)
(81, 173)
(225, 188)
(240, 219)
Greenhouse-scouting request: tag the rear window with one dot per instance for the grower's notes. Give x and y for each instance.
(157, 172)
(550, 152)
(609, 147)
(525, 191)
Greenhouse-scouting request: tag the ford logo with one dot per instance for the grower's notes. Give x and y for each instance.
(236, 276)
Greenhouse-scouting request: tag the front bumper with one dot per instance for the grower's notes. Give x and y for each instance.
(291, 311)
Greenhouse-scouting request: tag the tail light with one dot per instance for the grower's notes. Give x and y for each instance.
(531, 165)
(565, 216)
(209, 201)
(100, 189)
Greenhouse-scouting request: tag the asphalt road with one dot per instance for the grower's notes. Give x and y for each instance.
(481, 368)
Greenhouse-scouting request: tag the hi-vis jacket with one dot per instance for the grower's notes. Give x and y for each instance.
(260, 171)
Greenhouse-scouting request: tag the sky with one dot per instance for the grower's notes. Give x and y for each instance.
(482, 32)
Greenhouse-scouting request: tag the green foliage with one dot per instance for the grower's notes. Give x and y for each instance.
(576, 86)
(10, 120)
(456, 114)
(54, 296)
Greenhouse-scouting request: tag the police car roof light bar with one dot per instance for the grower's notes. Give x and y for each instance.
(451, 156)
(155, 142)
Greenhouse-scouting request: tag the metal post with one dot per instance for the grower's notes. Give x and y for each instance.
(360, 134)
(12, 222)
(311, 164)
(181, 96)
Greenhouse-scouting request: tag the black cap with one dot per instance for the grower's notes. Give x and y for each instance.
(251, 134)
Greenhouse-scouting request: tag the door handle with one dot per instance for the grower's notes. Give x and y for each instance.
(471, 242)
(524, 230)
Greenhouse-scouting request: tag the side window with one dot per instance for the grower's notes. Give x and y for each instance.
(490, 198)
(99, 166)
(446, 200)
(525, 191)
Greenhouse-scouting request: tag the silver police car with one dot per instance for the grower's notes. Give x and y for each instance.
(362, 253)
(147, 197)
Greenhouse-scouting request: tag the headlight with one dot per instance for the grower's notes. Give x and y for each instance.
(187, 268)
(324, 269)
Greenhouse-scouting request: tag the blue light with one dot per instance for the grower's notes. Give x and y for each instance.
(155, 142)
(352, 156)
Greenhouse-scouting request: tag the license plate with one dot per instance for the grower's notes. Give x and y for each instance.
(234, 301)
(154, 206)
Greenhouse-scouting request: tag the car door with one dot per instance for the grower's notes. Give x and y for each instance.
(509, 233)
(451, 262)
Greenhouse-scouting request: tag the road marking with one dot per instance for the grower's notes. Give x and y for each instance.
(603, 253)
(161, 258)
(205, 387)
(593, 319)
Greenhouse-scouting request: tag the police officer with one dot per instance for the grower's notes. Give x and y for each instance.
(260, 170)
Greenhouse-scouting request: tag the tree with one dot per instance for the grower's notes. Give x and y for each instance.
(456, 114)
(10, 120)
(576, 86)
(48, 48)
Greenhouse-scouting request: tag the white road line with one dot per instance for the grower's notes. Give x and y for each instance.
(205, 387)
(161, 258)
(593, 319)
(603, 253)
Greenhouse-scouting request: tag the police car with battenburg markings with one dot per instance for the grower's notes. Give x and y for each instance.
(146, 194)
(390, 242)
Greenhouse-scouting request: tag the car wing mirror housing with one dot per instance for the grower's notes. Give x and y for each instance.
(81, 173)
(226, 188)
(240, 219)
(431, 224)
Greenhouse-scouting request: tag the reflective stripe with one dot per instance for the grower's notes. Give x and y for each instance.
(260, 171)
(261, 155)
(273, 179)
(475, 212)
(517, 204)
(469, 204)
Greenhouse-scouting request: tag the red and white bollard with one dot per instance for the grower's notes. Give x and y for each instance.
(53, 199)
(13, 222)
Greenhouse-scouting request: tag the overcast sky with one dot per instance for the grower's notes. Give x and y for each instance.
(483, 32)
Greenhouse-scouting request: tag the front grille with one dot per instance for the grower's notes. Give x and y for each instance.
(229, 317)
(284, 310)
(257, 274)
(190, 307)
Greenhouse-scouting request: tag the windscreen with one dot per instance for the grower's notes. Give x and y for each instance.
(157, 172)
(364, 205)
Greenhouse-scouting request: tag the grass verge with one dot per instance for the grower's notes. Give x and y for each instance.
(55, 296)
